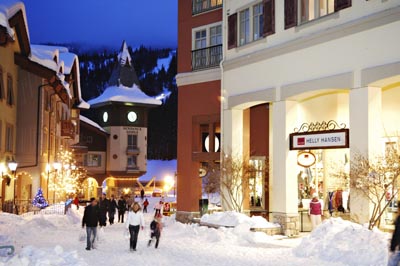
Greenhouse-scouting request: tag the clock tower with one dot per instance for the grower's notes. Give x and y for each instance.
(122, 110)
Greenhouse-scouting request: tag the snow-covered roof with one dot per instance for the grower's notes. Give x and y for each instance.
(44, 55)
(124, 55)
(125, 95)
(9, 8)
(91, 122)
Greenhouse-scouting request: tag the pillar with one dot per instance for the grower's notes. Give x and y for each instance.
(283, 179)
(366, 130)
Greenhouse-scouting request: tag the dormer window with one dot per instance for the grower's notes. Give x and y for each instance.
(55, 59)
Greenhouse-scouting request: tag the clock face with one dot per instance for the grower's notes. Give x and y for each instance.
(132, 116)
(105, 117)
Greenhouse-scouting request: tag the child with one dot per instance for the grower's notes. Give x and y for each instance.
(155, 228)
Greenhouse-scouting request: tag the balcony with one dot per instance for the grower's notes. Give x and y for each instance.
(200, 6)
(206, 57)
(67, 129)
(132, 150)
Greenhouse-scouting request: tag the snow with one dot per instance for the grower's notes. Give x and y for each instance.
(164, 96)
(164, 62)
(235, 219)
(125, 95)
(91, 122)
(124, 55)
(56, 240)
(159, 169)
(345, 242)
(8, 8)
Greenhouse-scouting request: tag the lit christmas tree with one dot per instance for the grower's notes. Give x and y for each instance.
(39, 201)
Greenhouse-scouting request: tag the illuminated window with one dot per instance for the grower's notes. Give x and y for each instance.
(312, 9)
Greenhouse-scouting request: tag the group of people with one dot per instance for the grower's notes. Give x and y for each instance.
(96, 214)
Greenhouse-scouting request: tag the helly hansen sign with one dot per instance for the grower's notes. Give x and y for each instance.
(331, 139)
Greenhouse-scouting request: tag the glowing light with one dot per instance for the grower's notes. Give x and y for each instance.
(207, 144)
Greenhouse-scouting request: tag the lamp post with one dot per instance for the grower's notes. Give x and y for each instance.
(56, 166)
(13, 168)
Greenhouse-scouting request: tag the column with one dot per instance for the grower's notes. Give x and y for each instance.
(366, 131)
(283, 178)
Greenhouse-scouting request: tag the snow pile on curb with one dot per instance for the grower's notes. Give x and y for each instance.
(343, 241)
(234, 219)
(30, 255)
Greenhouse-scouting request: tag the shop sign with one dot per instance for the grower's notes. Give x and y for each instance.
(330, 139)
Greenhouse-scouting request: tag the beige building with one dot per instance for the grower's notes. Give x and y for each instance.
(311, 62)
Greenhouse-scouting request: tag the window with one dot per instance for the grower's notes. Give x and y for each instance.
(216, 35)
(258, 21)
(312, 9)
(10, 91)
(205, 5)
(132, 141)
(2, 95)
(92, 160)
(244, 26)
(200, 39)
(132, 161)
(9, 138)
(256, 182)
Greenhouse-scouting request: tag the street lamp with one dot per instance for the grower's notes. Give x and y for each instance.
(13, 168)
(168, 183)
(56, 166)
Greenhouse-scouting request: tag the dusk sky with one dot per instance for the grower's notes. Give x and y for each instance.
(103, 22)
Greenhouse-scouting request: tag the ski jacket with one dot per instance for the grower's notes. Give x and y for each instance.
(135, 219)
(315, 207)
(91, 216)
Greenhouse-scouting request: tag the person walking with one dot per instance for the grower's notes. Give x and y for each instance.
(315, 211)
(145, 204)
(121, 209)
(103, 207)
(155, 227)
(112, 207)
(76, 202)
(158, 208)
(394, 258)
(134, 222)
(91, 220)
(142, 194)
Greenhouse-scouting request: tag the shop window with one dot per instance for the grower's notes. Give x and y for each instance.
(256, 182)
(9, 138)
(92, 160)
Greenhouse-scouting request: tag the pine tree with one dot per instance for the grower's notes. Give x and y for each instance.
(39, 201)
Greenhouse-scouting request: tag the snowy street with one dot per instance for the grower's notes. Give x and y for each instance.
(54, 240)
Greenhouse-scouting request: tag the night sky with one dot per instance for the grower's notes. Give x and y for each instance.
(103, 23)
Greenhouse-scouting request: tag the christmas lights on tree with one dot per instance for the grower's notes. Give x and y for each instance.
(39, 201)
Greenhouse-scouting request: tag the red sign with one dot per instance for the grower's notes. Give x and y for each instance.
(301, 141)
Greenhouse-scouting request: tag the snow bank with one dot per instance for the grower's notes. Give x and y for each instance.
(346, 242)
(30, 255)
(234, 219)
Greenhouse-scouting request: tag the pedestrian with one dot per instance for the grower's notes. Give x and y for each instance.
(134, 222)
(103, 208)
(112, 207)
(121, 209)
(315, 211)
(158, 208)
(142, 194)
(76, 202)
(394, 259)
(155, 227)
(91, 220)
(129, 202)
(145, 204)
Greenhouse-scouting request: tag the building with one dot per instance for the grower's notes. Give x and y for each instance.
(308, 67)
(113, 143)
(199, 90)
(39, 108)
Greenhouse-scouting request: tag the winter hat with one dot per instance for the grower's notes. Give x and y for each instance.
(314, 195)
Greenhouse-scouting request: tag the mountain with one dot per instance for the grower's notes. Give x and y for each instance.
(156, 70)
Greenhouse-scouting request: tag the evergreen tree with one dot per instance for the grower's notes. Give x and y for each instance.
(39, 201)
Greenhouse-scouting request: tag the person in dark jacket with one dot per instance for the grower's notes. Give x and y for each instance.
(155, 228)
(121, 209)
(145, 204)
(395, 243)
(103, 207)
(112, 207)
(91, 220)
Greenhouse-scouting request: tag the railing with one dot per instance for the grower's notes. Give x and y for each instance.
(200, 6)
(23, 207)
(206, 57)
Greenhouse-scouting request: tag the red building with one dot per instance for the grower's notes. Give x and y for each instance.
(199, 90)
